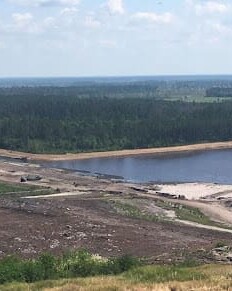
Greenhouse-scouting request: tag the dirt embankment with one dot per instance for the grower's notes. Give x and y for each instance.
(122, 153)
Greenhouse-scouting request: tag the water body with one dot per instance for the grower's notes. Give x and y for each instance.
(209, 166)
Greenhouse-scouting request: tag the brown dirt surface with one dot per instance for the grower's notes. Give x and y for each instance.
(57, 224)
(31, 227)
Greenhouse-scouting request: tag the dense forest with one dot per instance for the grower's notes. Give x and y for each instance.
(61, 120)
(219, 92)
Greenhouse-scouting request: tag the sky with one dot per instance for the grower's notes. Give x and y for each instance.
(115, 37)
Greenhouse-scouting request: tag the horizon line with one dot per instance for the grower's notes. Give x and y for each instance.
(117, 76)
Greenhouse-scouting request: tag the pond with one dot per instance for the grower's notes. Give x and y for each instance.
(209, 166)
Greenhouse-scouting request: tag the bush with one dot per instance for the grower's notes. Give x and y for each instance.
(10, 270)
(83, 265)
(47, 263)
(122, 264)
(75, 264)
(32, 271)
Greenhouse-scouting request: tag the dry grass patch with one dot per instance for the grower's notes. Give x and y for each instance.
(214, 278)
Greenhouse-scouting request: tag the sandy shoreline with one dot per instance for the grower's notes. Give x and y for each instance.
(121, 153)
(198, 190)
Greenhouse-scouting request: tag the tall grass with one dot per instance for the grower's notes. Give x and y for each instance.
(157, 278)
(160, 274)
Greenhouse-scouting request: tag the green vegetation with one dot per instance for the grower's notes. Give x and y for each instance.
(158, 274)
(158, 278)
(106, 117)
(191, 214)
(182, 212)
(224, 92)
(188, 213)
(134, 209)
(14, 188)
(75, 264)
(83, 264)
(220, 244)
(127, 209)
(11, 189)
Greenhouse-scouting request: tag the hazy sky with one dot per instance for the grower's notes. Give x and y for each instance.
(115, 37)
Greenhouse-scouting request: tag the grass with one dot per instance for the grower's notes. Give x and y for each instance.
(157, 278)
(23, 189)
(12, 188)
(188, 213)
(160, 274)
(130, 210)
(182, 212)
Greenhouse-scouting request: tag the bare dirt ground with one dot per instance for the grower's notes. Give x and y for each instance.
(92, 213)
(122, 153)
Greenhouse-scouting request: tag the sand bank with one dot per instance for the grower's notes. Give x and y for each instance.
(195, 191)
(122, 153)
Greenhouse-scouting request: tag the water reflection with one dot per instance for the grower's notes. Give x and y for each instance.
(210, 166)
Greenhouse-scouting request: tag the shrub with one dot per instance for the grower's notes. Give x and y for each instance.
(75, 264)
(123, 264)
(10, 270)
(47, 263)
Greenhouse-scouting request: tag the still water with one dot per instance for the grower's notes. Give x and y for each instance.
(210, 166)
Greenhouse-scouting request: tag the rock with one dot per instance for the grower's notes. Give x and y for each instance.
(55, 244)
(23, 179)
(222, 249)
(229, 257)
(33, 177)
(18, 239)
(81, 234)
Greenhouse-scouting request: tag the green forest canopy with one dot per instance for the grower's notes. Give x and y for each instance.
(47, 119)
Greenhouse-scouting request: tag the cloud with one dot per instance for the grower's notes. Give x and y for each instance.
(2, 45)
(208, 7)
(69, 11)
(108, 43)
(221, 29)
(211, 7)
(164, 18)
(91, 22)
(22, 19)
(49, 22)
(22, 23)
(115, 6)
(69, 2)
(41, 3)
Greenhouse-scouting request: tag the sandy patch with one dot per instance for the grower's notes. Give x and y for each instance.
(123, 153)
(195, 191)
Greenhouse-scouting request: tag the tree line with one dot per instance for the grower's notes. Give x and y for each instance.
(219, 92)
(43, 123)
